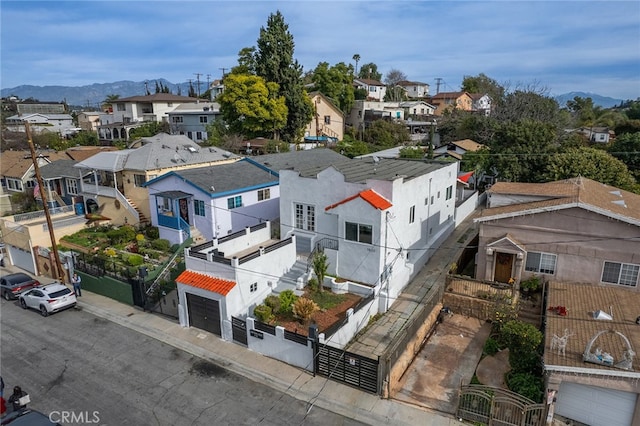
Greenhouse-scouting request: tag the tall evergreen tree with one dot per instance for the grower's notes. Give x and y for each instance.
(274, 63)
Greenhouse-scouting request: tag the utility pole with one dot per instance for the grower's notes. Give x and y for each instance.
(223, 71)
(43, 195)
(438, 80)
(197, 74)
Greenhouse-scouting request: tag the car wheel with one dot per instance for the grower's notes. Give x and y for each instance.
(23, 304)
(43, 311)
(6, 296)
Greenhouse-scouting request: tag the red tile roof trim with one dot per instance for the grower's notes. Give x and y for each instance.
(370, 196)
(217, 285)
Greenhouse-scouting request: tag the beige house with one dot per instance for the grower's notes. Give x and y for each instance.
(89, 120)
(574, 230)
(447, 101)
(115, 186)
(457, 149)
(328, 121)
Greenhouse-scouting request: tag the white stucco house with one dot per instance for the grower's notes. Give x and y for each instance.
(192, 119)
(42, 123)
(377, 219)
(375, 89)
(213, 202)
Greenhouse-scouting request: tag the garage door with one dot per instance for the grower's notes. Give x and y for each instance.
(595, 406)
(204, 313)
(22, 259)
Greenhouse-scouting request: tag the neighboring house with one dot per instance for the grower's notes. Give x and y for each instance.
(590, 363)
(355, 208)
(447, 101)
(575, 230)
(328, 123)
(215, 200)
(481, 103)
(17, 173)
(457, 149)
(116, 185)
(62, 184)
(89, 120)
(42, 123)
(375, 89)
(129, 113)
(597, 134)
(192, 120)
(414, 89)
(363, 113)
(215, 88)
(417, 110)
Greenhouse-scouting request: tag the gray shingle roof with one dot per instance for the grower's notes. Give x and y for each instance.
(58, 169)
(228, 177)
(298, 160)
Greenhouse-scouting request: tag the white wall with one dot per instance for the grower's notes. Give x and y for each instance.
(280, 348)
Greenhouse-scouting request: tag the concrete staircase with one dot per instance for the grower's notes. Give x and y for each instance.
(143, 218)
(295, 279)
(196, 236)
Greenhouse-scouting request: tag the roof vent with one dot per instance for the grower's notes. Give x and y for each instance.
(602, 315)
(620, 203)
(192, 149)
(618, 193)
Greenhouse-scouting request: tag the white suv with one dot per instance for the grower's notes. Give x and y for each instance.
(48, 299)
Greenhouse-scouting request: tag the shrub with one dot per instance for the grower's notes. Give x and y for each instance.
(121, 235)
(491, 346)
(526, 384)
(287, 299)
(140, 238)
(161, 244)
(520, 337)
(525, 362)
(175, 247)
(273, 302)
(313, 284)
(135, 260)
(263, 313)
(152, 232)
(303, 308)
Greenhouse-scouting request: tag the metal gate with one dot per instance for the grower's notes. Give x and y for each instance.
(495, 406)
(239, 330)
(347, 367)
(204, 313)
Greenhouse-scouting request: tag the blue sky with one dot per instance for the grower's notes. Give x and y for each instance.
(564, 46)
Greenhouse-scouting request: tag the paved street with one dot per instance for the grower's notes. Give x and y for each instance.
(77, 362)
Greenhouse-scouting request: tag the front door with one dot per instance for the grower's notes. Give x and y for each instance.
(504, 266)
(184, 209)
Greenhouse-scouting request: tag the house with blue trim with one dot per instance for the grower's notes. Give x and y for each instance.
(214, 201)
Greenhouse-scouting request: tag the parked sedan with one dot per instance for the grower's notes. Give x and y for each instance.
(14, 284)
(48, 299)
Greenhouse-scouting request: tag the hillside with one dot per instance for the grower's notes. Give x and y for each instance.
(598, 100)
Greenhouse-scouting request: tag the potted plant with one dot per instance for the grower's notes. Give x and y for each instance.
(531, 284)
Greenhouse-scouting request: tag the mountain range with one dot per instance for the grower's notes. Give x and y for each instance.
(91, 96)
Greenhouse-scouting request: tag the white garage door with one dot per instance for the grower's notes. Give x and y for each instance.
(595, 406)
(22, 259)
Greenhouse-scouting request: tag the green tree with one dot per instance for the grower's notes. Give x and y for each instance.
(633, 110)
(252, 107)
(484, 84)
(370, 71)
(411, 152)
(149, 129)
(274, 62)
(85, 138)
(591, 163)
(336, 83)
(583, 110)
(320, 266)
(109, 101)
(386, 133)
(626, 148)
(246, 62)
(351, 147)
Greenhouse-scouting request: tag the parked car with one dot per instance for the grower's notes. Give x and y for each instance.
(27, 417)
(48, 299)
(14, 284)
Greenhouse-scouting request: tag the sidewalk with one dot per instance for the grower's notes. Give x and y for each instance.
(324, 393)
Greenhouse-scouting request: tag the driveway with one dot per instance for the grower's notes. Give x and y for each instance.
(447, 361)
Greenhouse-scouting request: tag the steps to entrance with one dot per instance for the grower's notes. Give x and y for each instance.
(141, 216)
(295, 279)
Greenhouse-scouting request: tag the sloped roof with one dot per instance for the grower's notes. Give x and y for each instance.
(112, 161)
(226, 178)
(411, 83)
(468, 145)
(58, 169)
(464, 177)
(448, 95)
(213, 108)
(80, 153)
(15, 164)
(206, 282)
(298, 160)
(580, 300)
(369, 81)
(576, 192)
(370, 196)
(168, 151)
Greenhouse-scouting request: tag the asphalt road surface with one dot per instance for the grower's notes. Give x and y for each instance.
(96, 372)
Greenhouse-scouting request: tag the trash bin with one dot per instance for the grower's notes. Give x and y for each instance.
(79, 209)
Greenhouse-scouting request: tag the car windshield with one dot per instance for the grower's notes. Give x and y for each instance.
(59, 293)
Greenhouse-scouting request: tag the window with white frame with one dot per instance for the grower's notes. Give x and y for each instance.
(14, 184)
(358, 232)
(198, 207)
(234, 202)
(72, 186)
(264, 194)
(305, 216)
(139, 180)
(176, 119)
(198, 136)
(120, 107)
(412, 214)
(449, 193)
(544, 263)
(620, 273)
